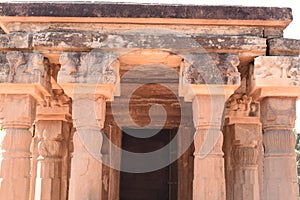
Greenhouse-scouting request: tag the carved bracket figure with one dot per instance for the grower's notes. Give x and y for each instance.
(93, 67)
(241, 105)
(26, 68)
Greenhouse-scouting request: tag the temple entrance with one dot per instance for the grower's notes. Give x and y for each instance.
(157, 185)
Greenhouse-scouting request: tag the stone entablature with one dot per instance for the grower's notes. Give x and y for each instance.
(64, 66)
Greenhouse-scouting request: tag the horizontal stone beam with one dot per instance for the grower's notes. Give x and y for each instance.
(78, 41)
(143, 11)
(283, 46)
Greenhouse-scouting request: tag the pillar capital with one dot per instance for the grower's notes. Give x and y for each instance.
(89, 73)
(209, 74)
(241, 109)
(57, 107)
(275, 76)
(278, 113)
(24, 73)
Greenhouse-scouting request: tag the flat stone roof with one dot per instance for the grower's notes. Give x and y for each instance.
(125, 10)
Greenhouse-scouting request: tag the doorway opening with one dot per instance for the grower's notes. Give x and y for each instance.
(156, 185)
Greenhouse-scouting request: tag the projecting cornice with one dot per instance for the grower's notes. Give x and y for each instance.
(121, 13)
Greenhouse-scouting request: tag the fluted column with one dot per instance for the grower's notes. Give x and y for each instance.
(209, 176)
(86, 171)
(274, 81)
(52, 146)
(280, 175)
(15, 139)
(242, 145)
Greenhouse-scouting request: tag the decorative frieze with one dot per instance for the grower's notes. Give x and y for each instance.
(274, 76)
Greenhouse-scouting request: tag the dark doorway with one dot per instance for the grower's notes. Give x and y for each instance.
(157, 185)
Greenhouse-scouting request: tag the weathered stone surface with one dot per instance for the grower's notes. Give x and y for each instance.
(68, 39)
(136, 40)
(211, 69)
(15, 40)
(284, 47)
(144, 11)
(113, 28)
(91, 68)
(25, 68)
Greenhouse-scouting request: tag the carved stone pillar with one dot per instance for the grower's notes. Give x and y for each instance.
(280, 175)
(23, 81)
(15, 139)
(52, 139)
(275, 81)
(89, 78)
(86, 171)
(242, 145)
(208, 86)
(209, 176)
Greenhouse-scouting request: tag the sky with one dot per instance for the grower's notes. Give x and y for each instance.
(292, 31)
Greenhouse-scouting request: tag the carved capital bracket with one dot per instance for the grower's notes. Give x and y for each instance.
(24, 73)
(240, 108)
(57, 107)
(274, 76)
(209, 74)
(89, 73)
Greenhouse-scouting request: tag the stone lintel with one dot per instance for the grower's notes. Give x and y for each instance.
(275, 76)
(85, 41)
(284, 47)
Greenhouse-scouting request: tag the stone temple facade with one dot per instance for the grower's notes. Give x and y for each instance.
(83, 86)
